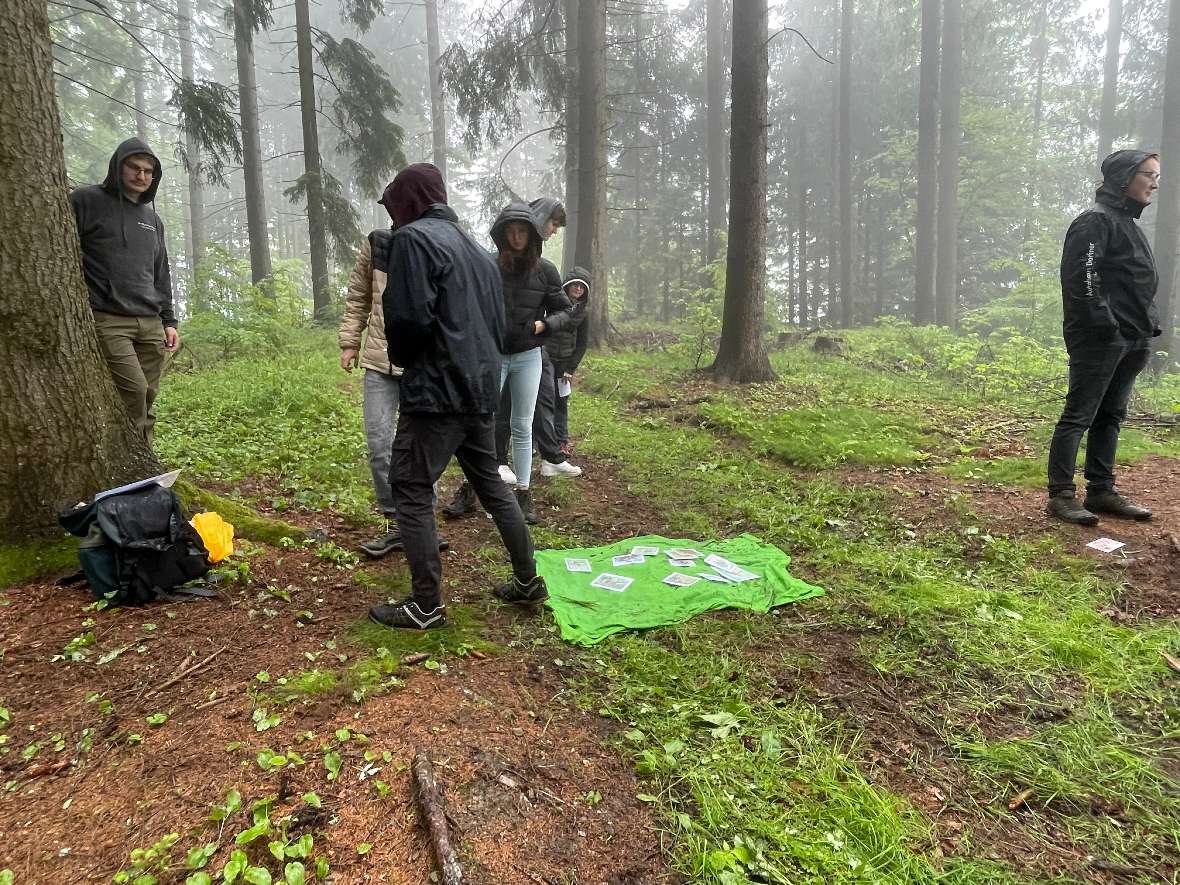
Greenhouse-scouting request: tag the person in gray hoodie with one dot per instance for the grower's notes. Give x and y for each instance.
(125, 265)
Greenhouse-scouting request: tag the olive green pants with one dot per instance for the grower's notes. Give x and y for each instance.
(134, 350)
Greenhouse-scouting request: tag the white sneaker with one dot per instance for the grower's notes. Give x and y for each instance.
(562, 468)
(507, 475)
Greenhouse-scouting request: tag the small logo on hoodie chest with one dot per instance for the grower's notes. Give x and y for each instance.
(146, 226)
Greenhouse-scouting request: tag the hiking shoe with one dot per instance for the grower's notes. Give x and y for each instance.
(383, 545)
(1065, 506)
(1112, 502)
(408, 616)
(525, 502)
(462, 504)
(527, 593)
(560, 468)
(507, 475)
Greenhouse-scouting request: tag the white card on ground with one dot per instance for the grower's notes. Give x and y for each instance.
(645, 551)
(578, 565)
(716, 579)
(731, 570)
(682, 563)
(678, 580)
(1106, 545)
(683, 553)
(608, 581)
(627, 559)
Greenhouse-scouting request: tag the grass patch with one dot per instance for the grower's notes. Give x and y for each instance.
(292, 420)
(973, 620)
(25, 562)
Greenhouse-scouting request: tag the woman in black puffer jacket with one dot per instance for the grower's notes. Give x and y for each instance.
(535, 307)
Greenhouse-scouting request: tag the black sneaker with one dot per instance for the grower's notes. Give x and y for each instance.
(1065, 506)
(408, 616)
(527, 593)
(382, 546)
(463, 503)
(1110, 501)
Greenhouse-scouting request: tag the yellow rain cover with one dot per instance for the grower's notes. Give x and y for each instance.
(217, 534)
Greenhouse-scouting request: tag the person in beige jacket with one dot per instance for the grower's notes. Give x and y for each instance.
(363, 316)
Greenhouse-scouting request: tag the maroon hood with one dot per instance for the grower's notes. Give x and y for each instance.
(415, 189)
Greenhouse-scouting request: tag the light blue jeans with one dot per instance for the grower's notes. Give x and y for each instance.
(380, 409)
(522, 373)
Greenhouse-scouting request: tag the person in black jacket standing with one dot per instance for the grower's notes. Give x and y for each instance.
(444, 324)
(535, 308)
(1108, 284)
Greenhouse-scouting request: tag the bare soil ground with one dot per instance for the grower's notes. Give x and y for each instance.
(518, 757)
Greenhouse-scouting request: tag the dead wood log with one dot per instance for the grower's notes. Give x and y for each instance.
(433, 811)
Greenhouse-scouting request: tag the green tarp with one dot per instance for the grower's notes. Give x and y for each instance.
(588, 614)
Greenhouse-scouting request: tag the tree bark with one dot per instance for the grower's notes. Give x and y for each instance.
(1167, 231)
(741, 355)
(317, 228)
(845, 164)
(256, 226)
(715, 124)
(570, 235)
(196, 196)
(592, 160)
(139, 63)
(947, 266)
(64, 434)
(1040, 53)
(927, 181)
(1107, 120)
(438, 110)
(803, 313)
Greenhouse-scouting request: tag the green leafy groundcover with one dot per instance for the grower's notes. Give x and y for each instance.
(587, 614)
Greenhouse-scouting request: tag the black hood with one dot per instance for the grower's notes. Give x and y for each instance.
(578, 275)
(113, 183)
(542, 208)
(515, 212)
(1117, 171)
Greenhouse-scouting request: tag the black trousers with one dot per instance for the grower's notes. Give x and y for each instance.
(544, 433)
(422, 449)
(1101, 378)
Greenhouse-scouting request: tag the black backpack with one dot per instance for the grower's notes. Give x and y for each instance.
(136, 545)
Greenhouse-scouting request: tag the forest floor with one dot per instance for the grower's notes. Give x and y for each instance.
(978, 698)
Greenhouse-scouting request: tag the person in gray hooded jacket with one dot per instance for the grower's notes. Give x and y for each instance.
(125, 265)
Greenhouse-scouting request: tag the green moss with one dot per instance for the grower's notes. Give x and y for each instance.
(24, 562)
(247, 523)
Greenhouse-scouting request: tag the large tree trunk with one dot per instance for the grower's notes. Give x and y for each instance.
(801, 177)
(64, 434)
(438, 110)
(1167, 231)
(570, 236)
(845, 164)
(1107, 122)
(256, 226)
(1040, 53)
(196, 196)
(715, 124)
(741, 355)
(139, 64)
(592, 161)
(947, 272)
(927, 181)
(317, 228)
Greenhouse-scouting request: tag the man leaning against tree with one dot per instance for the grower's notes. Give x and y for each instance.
(1108, 283)
(125, 264)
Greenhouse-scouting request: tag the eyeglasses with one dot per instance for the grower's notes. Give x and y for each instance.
(1154, 176)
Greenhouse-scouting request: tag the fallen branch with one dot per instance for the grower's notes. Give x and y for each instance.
(1173, 662)
(416, 658)
(430, 805)
(189, 672)
(1019, 799)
